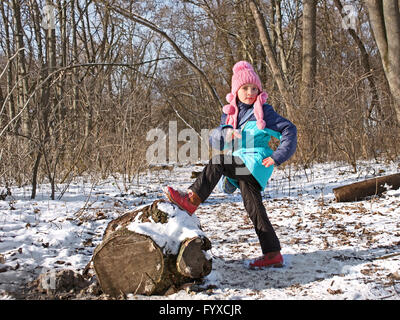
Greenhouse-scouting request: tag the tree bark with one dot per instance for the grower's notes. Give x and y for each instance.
(6, 23)
(74, 60)
(35, 174)
(22, 75)
(130, 262)
(62, 9)
(385, 22)
(279, 37)
(309, 59)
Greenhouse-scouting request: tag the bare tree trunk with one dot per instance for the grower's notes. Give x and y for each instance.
(89, 112)
(62, 8)
(228, 54)
(385, 22)
(279, 37)
(6, 22)
(309, 60)
(276, 70)
(272, 9)
(43, 91)
(49, 103)
(1, 100)
(75, 58)
(35, 174)
(22, 75)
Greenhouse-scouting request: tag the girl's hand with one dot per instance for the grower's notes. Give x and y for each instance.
(268, 162)
(232, 134)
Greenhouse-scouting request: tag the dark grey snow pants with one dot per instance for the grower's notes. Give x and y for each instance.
(233, 167)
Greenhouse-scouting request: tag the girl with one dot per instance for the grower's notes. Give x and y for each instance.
(247, 124)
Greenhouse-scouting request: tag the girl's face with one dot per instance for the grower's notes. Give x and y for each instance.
(248, 93)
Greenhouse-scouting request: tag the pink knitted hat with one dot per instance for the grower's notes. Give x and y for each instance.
(243, 73)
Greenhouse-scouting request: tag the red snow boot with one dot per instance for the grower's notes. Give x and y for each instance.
(271, 259)
(186, 201)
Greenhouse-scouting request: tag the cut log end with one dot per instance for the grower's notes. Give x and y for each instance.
(192, 261)
(129, 263)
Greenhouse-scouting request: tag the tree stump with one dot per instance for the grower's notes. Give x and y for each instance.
(360, 190)
(150, 249)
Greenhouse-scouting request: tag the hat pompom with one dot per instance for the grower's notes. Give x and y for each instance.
(263, 97)
(261, 124)
(229, 109)
(230, 97)
(242, 65)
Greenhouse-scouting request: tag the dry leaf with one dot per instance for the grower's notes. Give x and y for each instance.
(338, 291)
(395, 275)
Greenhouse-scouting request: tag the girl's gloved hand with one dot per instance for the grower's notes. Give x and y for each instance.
(268, 162)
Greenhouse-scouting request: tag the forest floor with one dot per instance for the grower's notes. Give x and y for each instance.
(331, 250)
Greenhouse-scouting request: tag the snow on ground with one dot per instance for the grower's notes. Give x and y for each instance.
(331, 250)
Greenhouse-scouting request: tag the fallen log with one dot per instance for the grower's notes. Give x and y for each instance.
(150, 249)
(363, 189)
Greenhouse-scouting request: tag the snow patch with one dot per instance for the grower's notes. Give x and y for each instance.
(169, 235)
